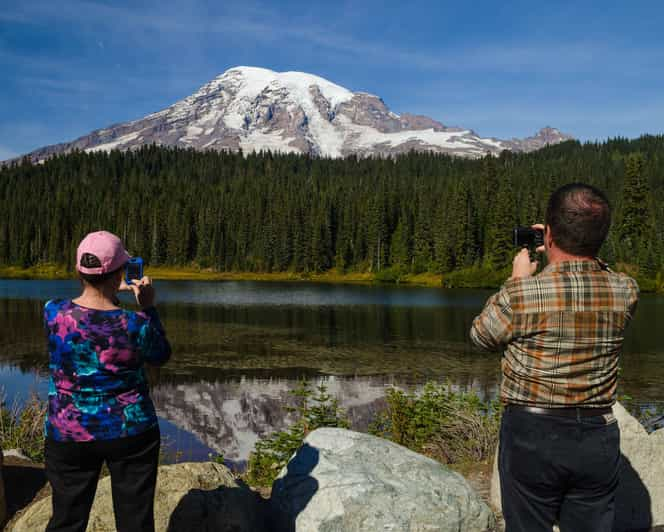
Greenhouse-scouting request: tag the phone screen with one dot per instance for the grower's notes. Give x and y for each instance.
(134, 271)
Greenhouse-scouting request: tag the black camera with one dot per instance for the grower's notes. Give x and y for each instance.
(527, 237)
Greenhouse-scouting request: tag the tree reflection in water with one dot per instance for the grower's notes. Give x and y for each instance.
(239, 353)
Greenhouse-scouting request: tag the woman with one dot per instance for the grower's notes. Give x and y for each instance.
(99, 408)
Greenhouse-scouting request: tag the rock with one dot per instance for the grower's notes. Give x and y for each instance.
(494, 493)
(189, 497)
(640, 495)
(3, 502)
(344, 481)
(16, 453)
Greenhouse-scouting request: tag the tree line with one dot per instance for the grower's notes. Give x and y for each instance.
(417, 212)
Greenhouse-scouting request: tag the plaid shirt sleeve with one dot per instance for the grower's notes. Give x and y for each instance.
(492, 329)
(634, 299)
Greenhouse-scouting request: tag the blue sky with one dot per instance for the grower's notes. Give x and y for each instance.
(593, 68)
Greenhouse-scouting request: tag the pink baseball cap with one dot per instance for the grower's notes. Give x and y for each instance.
(104, 246)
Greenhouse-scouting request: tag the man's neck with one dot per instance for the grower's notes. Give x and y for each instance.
(555, 255)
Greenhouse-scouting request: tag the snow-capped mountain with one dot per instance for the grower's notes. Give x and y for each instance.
(256, 109)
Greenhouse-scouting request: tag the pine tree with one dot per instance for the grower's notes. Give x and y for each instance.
(458, 241)
(422, 242)
(636, 218)
(378, 233)
(157, 241)
(4, 244)
(502, 219)
(400, 249)
(487, 194)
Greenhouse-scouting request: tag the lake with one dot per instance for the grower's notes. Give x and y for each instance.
(239, 348)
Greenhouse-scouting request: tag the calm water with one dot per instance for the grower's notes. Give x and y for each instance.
(240, 347)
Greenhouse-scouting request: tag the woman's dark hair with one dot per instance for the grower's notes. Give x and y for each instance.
(88, 260)
(579, 216)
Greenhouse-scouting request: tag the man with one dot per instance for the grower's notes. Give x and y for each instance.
(561, 333)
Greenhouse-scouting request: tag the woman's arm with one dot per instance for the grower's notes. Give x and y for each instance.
(152, 339)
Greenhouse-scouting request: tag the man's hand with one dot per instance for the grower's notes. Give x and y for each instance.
(522, 267)
(540, 249)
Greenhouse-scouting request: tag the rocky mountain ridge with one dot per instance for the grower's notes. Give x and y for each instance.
(255, 109)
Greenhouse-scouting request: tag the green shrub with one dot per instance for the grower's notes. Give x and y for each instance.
(451, 427)
(395, 274)
(217, 458)
(273, 452)
(647, 284)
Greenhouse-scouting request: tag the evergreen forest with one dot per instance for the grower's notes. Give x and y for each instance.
(265, 212)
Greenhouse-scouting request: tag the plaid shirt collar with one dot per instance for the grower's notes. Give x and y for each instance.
(578, 265)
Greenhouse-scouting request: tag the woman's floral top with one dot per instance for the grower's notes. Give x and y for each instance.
(98, 389)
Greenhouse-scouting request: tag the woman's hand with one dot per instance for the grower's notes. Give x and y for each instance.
(143, 291)
(124, 287)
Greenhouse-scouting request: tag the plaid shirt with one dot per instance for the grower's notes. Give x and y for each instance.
(561, 333)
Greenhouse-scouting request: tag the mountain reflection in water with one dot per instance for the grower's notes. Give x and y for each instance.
(229, 417)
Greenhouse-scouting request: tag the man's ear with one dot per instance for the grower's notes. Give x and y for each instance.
(548, 237)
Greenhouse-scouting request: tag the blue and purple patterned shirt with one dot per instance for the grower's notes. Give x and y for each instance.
(98, 389)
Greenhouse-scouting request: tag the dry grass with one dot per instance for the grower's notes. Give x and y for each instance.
(39, 271)
(22, 427)
(465, 437)
(453, 427)
(423, 279)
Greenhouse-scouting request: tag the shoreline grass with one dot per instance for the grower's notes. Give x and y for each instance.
(473, 277)
(192, 273)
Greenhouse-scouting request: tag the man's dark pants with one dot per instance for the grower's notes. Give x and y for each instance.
(558, 469)
(72, 469)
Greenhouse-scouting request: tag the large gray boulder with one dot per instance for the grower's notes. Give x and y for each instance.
(3, 502)
(640, 495)
(190, 497)
(344, 481)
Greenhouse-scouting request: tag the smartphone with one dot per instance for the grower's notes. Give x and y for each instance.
(134, 269)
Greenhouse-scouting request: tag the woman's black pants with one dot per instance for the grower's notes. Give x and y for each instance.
(72, 469)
